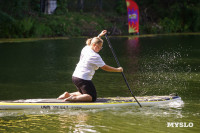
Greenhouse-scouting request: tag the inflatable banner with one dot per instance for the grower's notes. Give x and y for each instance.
(133, 16)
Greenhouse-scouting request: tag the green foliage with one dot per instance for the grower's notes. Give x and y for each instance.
(121, 7)
(16, 8)
(171, 25)
(62, 7)
(5, 18)
(6, 24)
(169, 16)
(58, 26)
(41, 30)
(25, 27)
(22, 18)
(192, 18)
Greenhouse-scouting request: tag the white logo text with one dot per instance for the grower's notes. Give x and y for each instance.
(179, 124)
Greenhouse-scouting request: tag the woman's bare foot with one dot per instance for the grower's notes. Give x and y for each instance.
(70, 98)
(64, 95)
(79, 98)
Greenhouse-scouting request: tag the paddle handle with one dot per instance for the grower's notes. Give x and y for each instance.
(109, 44)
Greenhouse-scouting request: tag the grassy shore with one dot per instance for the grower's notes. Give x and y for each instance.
(11, 40)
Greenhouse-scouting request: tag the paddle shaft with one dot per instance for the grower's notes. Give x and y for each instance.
(109, 44)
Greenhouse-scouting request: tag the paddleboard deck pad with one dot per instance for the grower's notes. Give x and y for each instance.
(53, 103)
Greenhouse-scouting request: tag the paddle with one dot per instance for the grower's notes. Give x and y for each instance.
(120, 66)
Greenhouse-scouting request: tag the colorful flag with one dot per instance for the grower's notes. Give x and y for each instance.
(133, 16)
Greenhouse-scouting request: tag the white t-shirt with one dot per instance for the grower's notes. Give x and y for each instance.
(88, 63)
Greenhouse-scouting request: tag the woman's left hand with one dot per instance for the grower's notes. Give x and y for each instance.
(103, 33)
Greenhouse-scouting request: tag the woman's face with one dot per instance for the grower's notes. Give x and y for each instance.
(97, 47)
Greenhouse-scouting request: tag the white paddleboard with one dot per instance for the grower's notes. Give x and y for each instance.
(53, 103)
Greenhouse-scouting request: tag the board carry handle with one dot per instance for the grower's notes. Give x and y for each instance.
(112, 50)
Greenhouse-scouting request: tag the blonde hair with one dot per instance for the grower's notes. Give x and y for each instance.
(95, 40)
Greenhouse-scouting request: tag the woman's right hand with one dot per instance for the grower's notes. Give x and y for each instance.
(120, 69)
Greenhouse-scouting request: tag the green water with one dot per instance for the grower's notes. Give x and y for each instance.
(156, 65)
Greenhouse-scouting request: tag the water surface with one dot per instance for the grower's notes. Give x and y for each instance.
(156, 65)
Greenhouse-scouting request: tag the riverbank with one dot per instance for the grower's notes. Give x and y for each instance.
(10, 40)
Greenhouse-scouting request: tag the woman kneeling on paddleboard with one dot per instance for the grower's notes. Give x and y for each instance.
(89, 61)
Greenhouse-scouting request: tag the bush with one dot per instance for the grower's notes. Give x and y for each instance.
(192, 18)
(41, 30)
(121, 7)
(25, 27)
(170, 25)
(6, 25)
(61, 7)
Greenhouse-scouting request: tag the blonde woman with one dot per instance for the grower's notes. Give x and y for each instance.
(89, 61)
